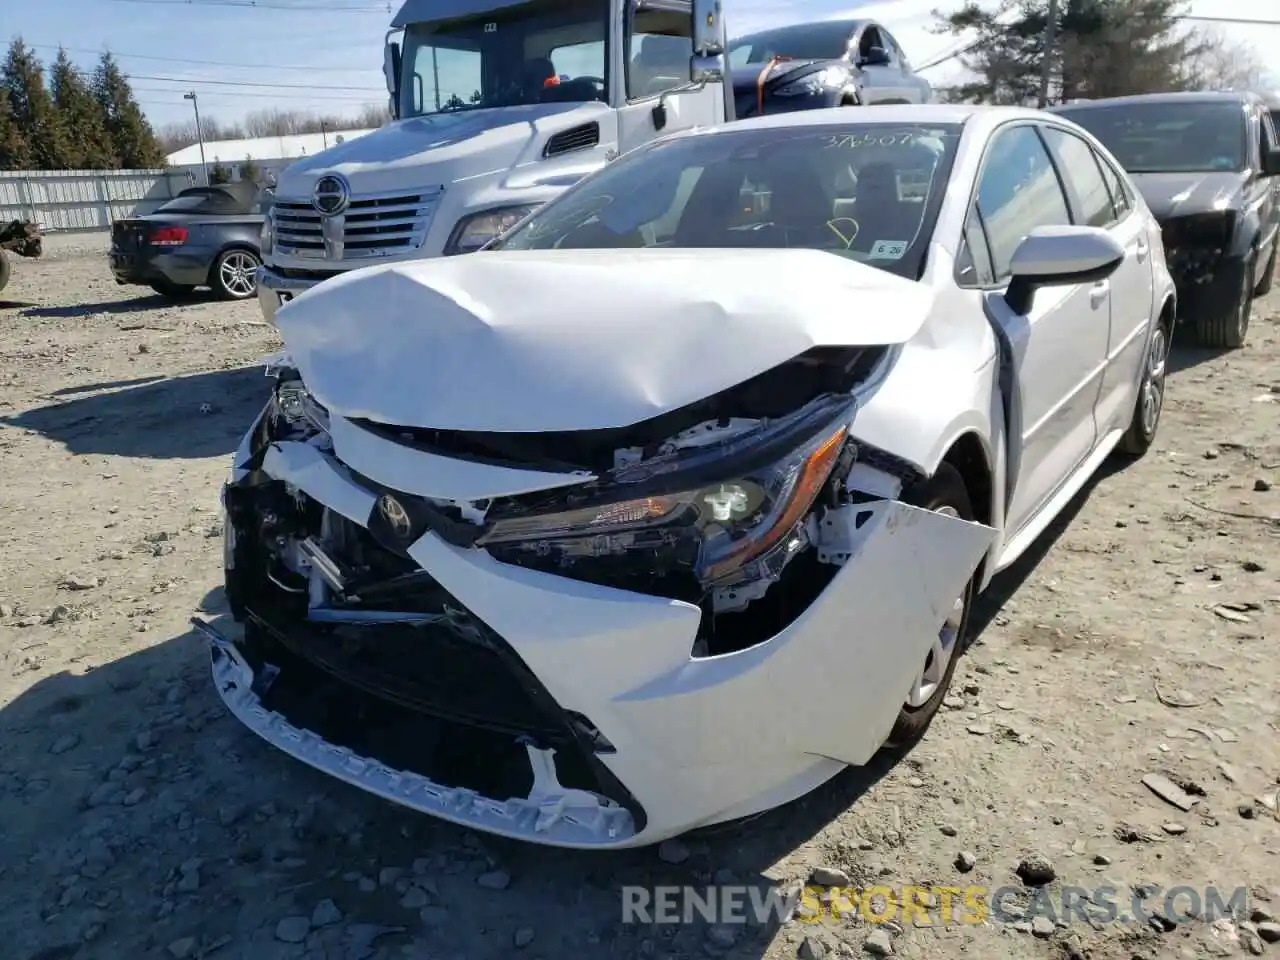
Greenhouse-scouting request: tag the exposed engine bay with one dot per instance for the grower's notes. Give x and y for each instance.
(740, 501)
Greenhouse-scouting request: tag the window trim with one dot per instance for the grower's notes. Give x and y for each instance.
(972, 202)
(1060, 163)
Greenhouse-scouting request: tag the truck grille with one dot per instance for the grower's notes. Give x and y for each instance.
(372, 226)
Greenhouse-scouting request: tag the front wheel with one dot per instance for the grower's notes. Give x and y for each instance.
(944, 493)
(234, 275)
(1223, 326)
(1138, 438)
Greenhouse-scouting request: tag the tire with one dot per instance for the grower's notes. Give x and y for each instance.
(172, 290)
(944, 491)
(1268, 275)
(232, 274)
(1149, 403)
(5, 268)
(1225, 327)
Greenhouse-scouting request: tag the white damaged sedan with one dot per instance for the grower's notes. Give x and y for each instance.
(673, 503)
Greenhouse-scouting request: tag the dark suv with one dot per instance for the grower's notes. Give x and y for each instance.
(1208, 166)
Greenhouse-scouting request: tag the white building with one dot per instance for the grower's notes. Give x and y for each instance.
(270, 154)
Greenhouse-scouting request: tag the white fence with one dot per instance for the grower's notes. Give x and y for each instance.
(85, 199)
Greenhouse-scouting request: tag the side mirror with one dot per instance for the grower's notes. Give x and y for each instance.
(1057, 257)
(876, 57)
(391, 74)
(1271, 163)
(707, 28)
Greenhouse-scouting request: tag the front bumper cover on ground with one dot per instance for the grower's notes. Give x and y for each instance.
(683, 741)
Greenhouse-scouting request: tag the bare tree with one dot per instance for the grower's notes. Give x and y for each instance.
(1225, 64)
(272, 122)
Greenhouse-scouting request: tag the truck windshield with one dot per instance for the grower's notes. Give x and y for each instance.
(867, 191)
(536, 52)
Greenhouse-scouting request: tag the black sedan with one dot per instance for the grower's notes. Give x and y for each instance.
(832, 63)
(1208, 166)
(203, 237)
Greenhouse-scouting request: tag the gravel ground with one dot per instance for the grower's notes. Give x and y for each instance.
(140, 820)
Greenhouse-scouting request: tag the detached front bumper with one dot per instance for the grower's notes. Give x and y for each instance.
(624, 736)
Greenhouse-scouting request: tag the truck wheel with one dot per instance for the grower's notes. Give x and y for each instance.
(233, 274)
(1223, 326)
(1269, 275)
(4, 270)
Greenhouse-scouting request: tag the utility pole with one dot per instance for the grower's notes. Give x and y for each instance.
(1046, 68)
(191, 95)
(324, 134)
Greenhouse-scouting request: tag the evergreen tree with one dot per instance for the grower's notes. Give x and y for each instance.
(22, 77)
(14, 152)
(218, 174)
(88, 146)
(133, 142)
(1102, 48)
(249, 171)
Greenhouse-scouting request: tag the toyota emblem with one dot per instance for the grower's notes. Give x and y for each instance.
(393, 511)
(331, 195)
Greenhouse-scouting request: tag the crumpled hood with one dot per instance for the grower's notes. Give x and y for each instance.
(535, 341)
(1172, 195)
(439, 149)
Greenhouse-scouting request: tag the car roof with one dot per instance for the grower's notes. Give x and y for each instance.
(909, 113)
(1188, 96)
(848, 26)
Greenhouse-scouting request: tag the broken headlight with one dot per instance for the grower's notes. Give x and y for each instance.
(725, 512)
(295, 410)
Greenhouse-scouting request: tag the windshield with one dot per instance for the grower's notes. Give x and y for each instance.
(811, 41)
(1170, 137)
(866, 191)
(538, 52)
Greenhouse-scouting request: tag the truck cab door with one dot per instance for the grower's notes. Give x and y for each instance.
(655, 59)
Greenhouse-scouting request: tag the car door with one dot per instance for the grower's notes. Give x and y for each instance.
(1093, 197)
(915, 88)
(1269, 215)
(1057, 350)
(881, 82)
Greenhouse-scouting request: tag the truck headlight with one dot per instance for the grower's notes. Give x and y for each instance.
(475, 231)
(267, 237)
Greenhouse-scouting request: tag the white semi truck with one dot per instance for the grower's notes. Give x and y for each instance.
(499, 105)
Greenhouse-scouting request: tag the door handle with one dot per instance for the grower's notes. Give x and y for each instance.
(1099, 292)
(1143, 249)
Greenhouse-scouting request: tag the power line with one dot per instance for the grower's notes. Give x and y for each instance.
(204, 63)
(1255, 23)
(262, 5)
(977, 43)
(247, 83)
(238, 94)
